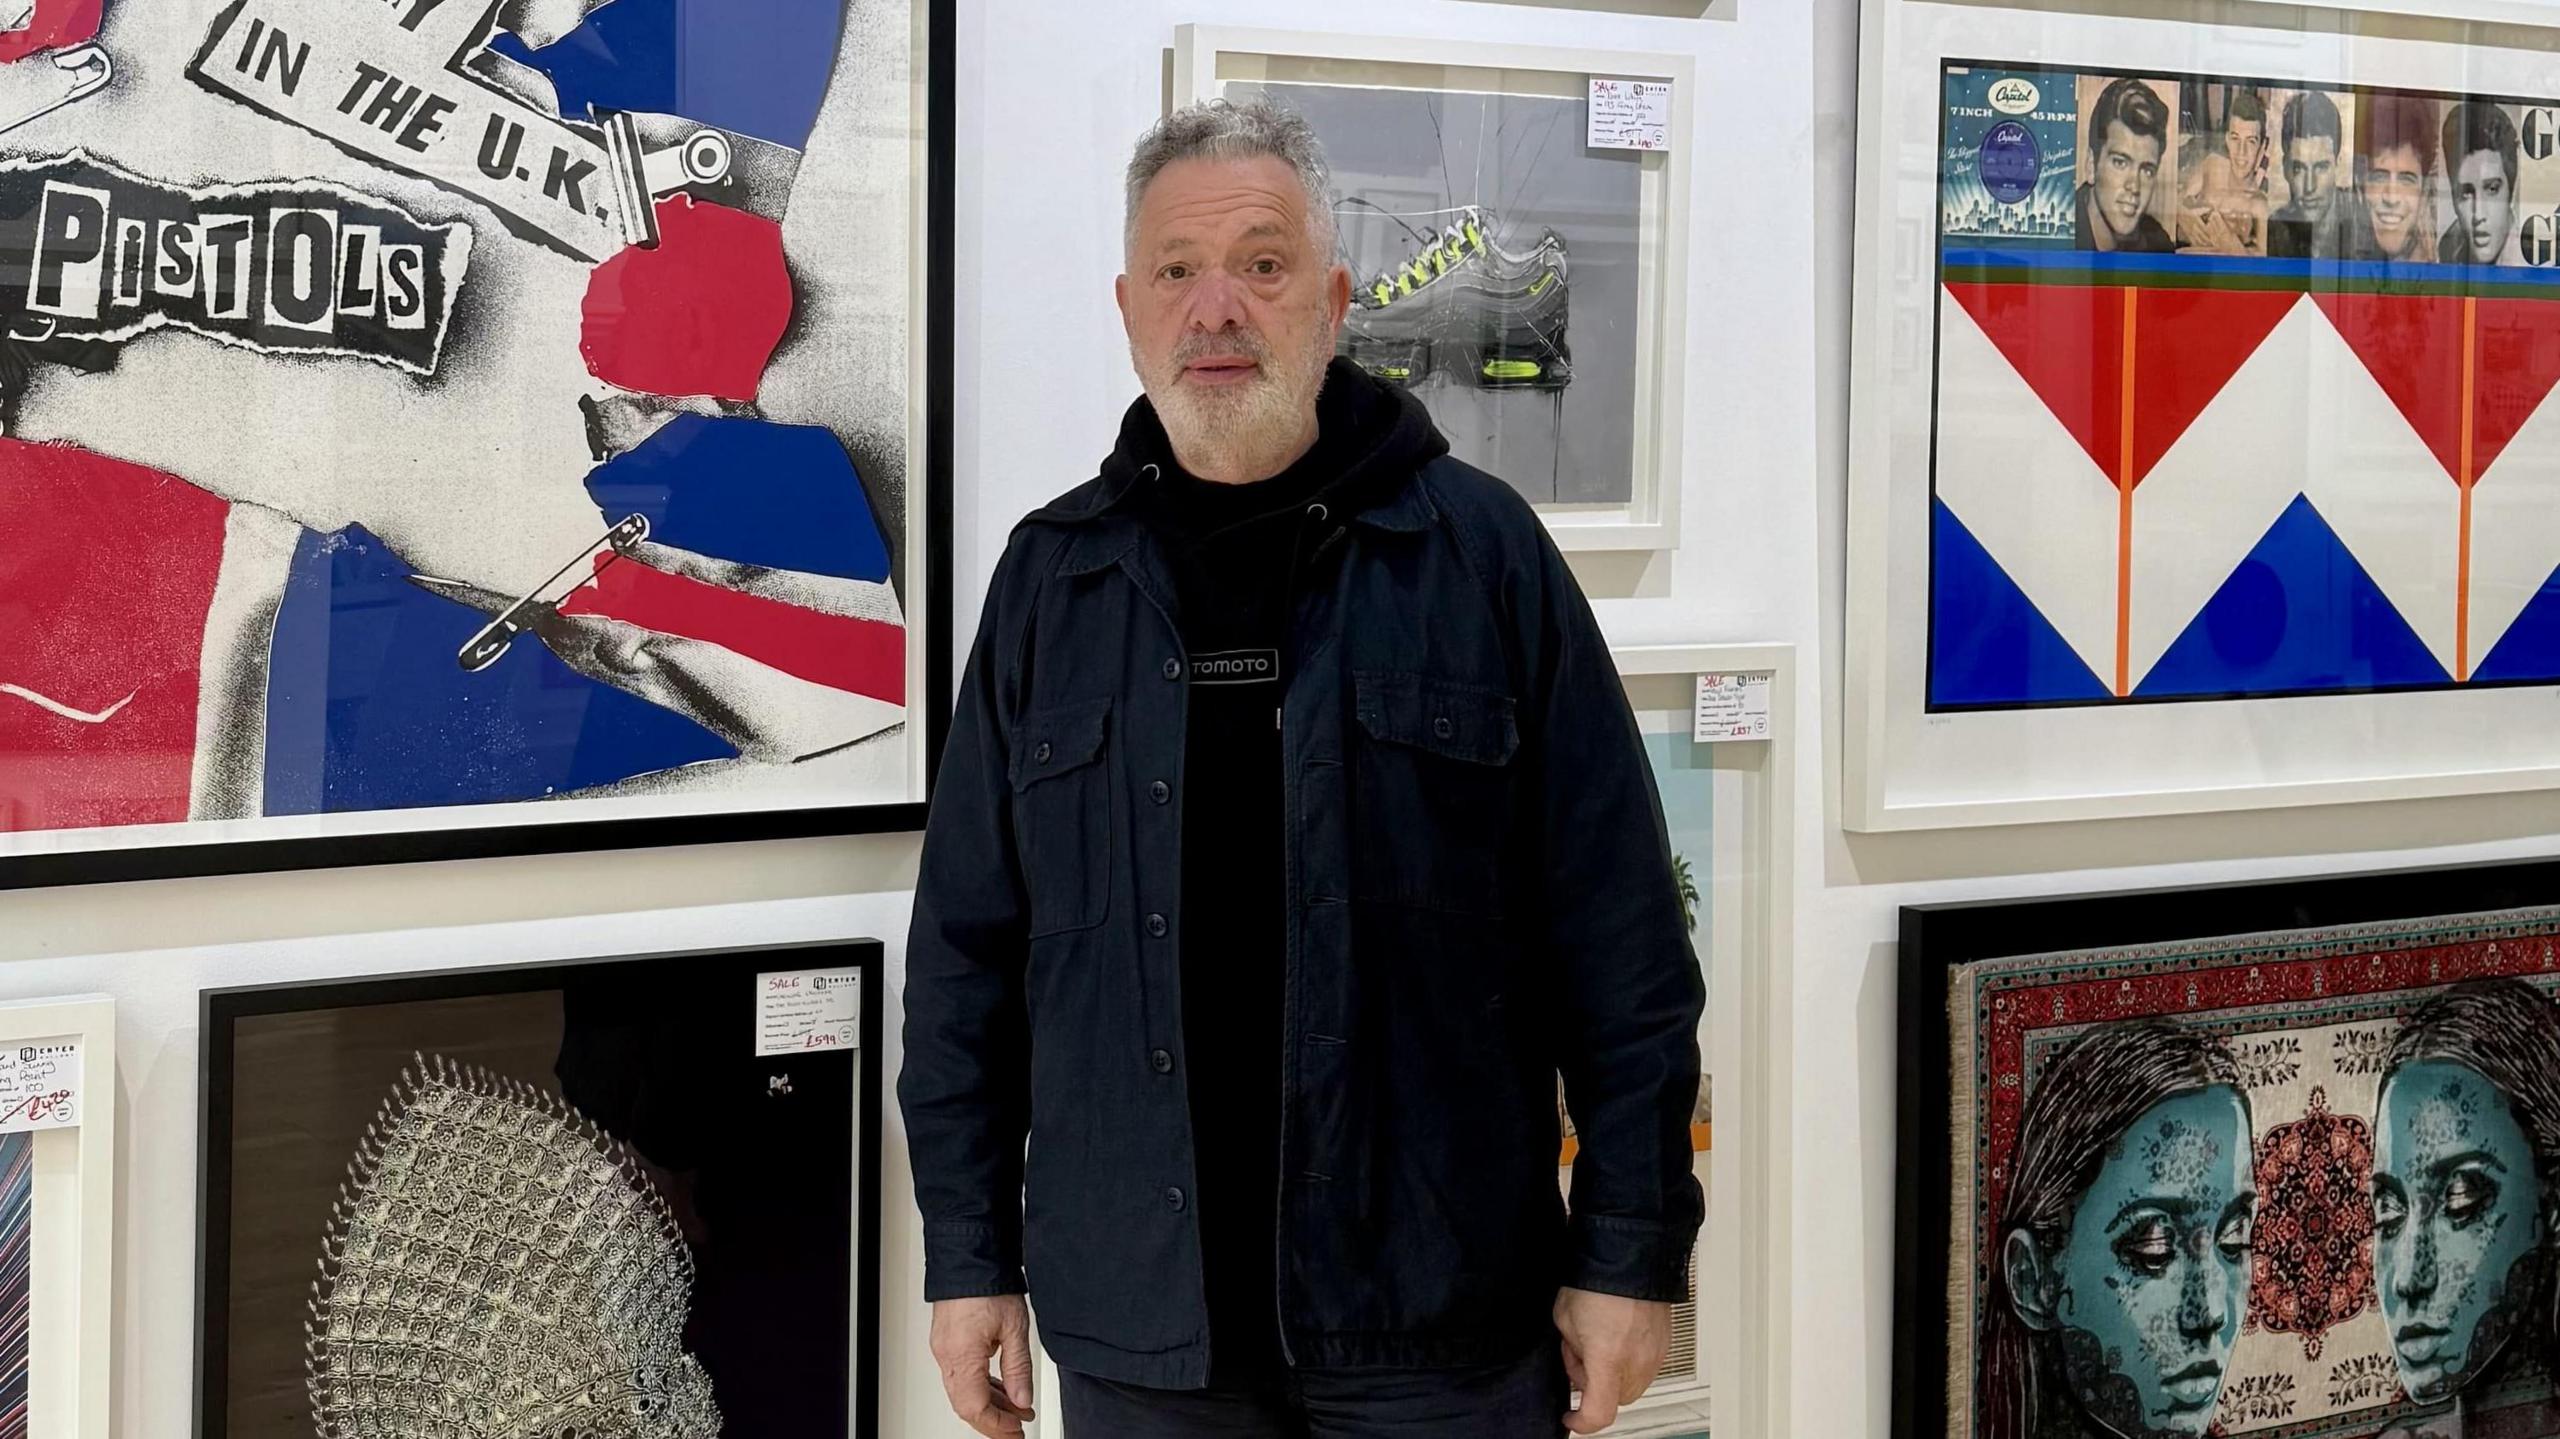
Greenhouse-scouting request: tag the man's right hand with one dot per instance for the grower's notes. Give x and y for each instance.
(965, 1333)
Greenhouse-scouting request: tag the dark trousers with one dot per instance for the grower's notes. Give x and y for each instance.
(1524, 1400)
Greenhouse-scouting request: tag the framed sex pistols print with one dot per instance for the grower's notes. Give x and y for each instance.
(2206, 448)
(445, 427)
(2266, 1161)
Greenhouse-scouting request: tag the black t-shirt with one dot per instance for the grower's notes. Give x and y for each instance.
(1236, 553)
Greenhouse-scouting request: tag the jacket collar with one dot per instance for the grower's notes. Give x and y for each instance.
(1105, 530)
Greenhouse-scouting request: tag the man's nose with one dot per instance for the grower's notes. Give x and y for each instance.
(1217, 301)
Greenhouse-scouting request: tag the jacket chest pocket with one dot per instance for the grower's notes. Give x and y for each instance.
(1062, 814)
(1431, 799)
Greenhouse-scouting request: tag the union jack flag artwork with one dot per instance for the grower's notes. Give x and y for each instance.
(424, 413)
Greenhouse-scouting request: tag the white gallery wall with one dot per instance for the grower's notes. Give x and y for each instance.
(1051, 96)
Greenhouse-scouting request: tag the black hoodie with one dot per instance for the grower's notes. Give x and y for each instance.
(1237, 554)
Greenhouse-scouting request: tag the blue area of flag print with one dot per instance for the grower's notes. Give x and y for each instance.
(752, 67)
(785, 497)
(368, 707)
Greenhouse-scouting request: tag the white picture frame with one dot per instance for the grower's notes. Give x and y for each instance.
(71, 1282)
(1207, 58)
(1906, 767)
(1744, 940)
(1744, 1320)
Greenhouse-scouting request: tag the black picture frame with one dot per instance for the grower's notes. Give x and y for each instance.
(1937, 939)
(178, 861)
(220, 1010)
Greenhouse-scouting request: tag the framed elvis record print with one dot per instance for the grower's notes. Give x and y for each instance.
(1519, 259)
(622, 1199)
(445, 427)
(2270, 1161)
(2205, 424)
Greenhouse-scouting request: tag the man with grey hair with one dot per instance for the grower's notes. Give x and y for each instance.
(1292, 837)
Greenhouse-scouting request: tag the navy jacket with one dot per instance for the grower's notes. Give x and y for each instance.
(1479, 896)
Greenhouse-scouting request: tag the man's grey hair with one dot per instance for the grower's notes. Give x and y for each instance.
(1225, 130)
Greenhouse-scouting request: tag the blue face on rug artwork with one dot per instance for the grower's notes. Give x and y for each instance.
(2456, 1208)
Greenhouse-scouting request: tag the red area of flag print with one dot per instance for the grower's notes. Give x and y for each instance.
(698, 315)
(107, 572)
(55, 25)
(864, 657)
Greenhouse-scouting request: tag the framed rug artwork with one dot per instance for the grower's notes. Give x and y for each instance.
(445, 429)
(2207, 451)
(617, 1197)
(2275, 1160)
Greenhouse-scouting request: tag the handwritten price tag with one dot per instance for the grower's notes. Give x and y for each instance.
(1731, 707)
(1629, 115)
(808, 1011)
(39, 1087)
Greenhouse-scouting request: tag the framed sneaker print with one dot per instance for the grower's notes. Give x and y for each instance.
(629, 1196)
(2205, 448)
(1514, 220)
(439, 429)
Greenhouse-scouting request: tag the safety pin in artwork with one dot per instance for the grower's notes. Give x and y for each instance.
(494, 637)
(87, 68)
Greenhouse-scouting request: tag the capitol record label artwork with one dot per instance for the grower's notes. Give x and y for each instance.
(2280, 1185)
(427, 419)
(556, 1200)
(2208, 414)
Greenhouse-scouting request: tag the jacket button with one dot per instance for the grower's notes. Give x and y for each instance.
(1439, 726)
(1160, 792)
(1155, 926)
(1173, 669)
(1041, 755)
(1175, 1198)
(1162, 1060)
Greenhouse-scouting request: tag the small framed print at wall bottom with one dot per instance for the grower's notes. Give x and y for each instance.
(57, 1217)
(623, 1196)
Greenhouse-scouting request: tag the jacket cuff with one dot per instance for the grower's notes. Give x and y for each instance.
(969, 1260)
(1634, 1258)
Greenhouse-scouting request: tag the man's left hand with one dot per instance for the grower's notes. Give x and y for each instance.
(1613, 1347)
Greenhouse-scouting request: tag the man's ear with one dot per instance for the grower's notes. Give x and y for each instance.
(1120, 297)
(2028, 1272)
(1338, 293)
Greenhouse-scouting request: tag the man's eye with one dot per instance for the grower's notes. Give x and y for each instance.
(1266, 267)
(1174, 272)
